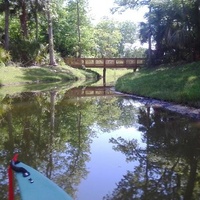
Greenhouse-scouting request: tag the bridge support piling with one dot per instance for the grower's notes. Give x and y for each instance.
(104, 77)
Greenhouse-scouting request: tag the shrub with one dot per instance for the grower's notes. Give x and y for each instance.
(25, 51)
(4, 57)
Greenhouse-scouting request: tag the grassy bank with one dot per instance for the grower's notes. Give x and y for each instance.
(179, 84)
(16, 79)
(19, 76)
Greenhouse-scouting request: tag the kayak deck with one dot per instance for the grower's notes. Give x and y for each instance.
(38, 187)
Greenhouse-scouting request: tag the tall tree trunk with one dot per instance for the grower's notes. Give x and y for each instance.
(34, 6)
(7, 16)
(78, 29)
(149, 42)
(23, 19)
(50, 31)
(198, 24)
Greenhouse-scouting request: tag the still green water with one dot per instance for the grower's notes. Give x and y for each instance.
(100, 145)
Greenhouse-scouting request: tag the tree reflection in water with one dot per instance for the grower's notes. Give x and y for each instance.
(53, 134)
(168, 164)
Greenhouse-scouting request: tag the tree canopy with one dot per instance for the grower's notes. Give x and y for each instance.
(44, 31)
(174, 27)
(41, 32)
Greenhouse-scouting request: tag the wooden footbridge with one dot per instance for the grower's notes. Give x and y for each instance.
(132, 63)
(104, 63)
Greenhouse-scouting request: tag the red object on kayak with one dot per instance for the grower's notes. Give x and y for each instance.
(11, 180)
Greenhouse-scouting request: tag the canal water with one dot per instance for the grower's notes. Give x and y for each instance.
(101, 145)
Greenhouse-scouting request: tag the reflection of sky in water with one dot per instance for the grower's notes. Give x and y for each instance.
(106, 166)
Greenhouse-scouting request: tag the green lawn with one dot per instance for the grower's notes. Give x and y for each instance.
(18, 75)
(18, 79)
(178, 83)
(111, 75)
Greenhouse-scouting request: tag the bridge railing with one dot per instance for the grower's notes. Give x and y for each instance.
(106, 62)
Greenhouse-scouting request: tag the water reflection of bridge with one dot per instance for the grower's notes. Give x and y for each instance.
(92, 91)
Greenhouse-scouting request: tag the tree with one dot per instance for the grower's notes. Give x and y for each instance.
(173, 29)
(128, 31)
(80, 33)
(37, 7)
(107, 38)
(5, 7)
(7, 15)
(23, 18)
(78, 27)
(52, 60)
(134, 4)
(122, 5)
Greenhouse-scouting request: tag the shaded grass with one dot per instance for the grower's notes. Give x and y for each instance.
(17, 79)
(11, 90)
(179, 84)
(19, 76)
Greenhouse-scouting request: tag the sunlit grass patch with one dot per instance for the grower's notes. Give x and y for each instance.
(18, 75)
(179, 83)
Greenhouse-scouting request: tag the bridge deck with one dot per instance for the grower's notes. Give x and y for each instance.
(105, 62)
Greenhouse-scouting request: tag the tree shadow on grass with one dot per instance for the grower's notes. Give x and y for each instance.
(41, 75)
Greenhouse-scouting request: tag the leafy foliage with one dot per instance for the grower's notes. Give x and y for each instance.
(5, 56)
(107, 39)
(73, 33)
(27, 51)
(174, 27)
